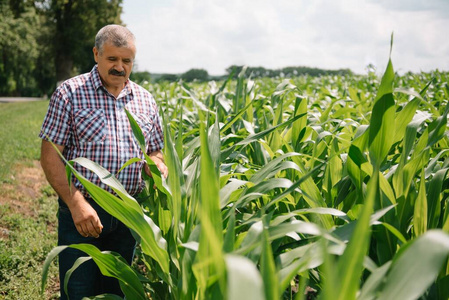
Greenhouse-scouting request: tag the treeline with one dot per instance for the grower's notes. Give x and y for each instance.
(202, 75)
(46, 41)
(258, 72)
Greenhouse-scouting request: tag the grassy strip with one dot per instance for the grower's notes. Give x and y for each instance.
(20, 124)
(27, 221)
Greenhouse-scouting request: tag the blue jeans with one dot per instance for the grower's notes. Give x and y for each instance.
(87, 279)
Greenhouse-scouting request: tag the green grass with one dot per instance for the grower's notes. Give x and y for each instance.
(20, 124)
(22, 253)
(28, 224)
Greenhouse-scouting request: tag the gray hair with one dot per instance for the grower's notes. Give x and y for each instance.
(118, 35)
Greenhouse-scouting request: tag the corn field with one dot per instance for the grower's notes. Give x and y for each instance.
(303, 188)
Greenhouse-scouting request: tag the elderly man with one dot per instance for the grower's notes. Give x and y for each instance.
(86, 118)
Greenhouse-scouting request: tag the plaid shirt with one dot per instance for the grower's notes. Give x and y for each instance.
(90, 122)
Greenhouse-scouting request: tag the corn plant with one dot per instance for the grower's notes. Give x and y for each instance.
(334, 186)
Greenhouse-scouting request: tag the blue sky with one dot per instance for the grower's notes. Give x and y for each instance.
(174, 36)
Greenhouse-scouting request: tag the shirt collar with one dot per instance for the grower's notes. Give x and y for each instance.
(96, 80)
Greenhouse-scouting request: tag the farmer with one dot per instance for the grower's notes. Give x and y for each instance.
(86, 118)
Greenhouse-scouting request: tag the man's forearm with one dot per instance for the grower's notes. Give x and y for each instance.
(158, 155)
(84, 217)
(54, 170)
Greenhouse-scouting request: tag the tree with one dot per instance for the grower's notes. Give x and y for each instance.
(167, 77)
(76, 23)
(195, 74)
(45, 41)
(235, 70)
(19, 49)
(140, 77)
(258, 72)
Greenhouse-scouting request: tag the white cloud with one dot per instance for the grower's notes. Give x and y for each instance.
(177, 35)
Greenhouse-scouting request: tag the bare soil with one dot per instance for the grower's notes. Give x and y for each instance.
(22, 194)
(26, 188)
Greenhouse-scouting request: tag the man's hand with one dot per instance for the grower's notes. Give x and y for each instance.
(158, 158)
(86, 219)
(162, 168)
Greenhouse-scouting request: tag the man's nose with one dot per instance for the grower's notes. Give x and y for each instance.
(119, 66)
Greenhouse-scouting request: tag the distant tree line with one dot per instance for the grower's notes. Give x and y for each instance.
(199, 75)
(202, 75)
(43, 42)
(258, 72)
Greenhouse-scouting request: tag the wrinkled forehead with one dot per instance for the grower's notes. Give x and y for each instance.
(125, 42)
(111, 50)
(128, 44)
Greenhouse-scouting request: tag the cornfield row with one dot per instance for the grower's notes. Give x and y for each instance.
(330, 188)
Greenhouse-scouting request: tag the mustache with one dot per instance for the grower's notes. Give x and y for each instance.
(116, 73)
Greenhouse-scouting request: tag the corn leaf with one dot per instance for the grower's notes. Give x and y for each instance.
(175, 180)
(382, 122)
(110, 264)
(434, 198)
(127, 211)
(210, 263)
(244, 280)
(350, 265)
(268, 269)
(420, 214)
(409, 277)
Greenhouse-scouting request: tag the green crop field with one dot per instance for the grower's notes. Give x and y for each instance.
(332, 185)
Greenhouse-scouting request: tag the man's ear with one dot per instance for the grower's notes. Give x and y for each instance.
(95, 51)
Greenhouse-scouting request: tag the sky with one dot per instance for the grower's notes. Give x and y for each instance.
(174, 36)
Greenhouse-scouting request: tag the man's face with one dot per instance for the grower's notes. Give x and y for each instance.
(115, 64)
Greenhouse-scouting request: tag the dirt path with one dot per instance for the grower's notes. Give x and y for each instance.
(20, 195)
(26, 186)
